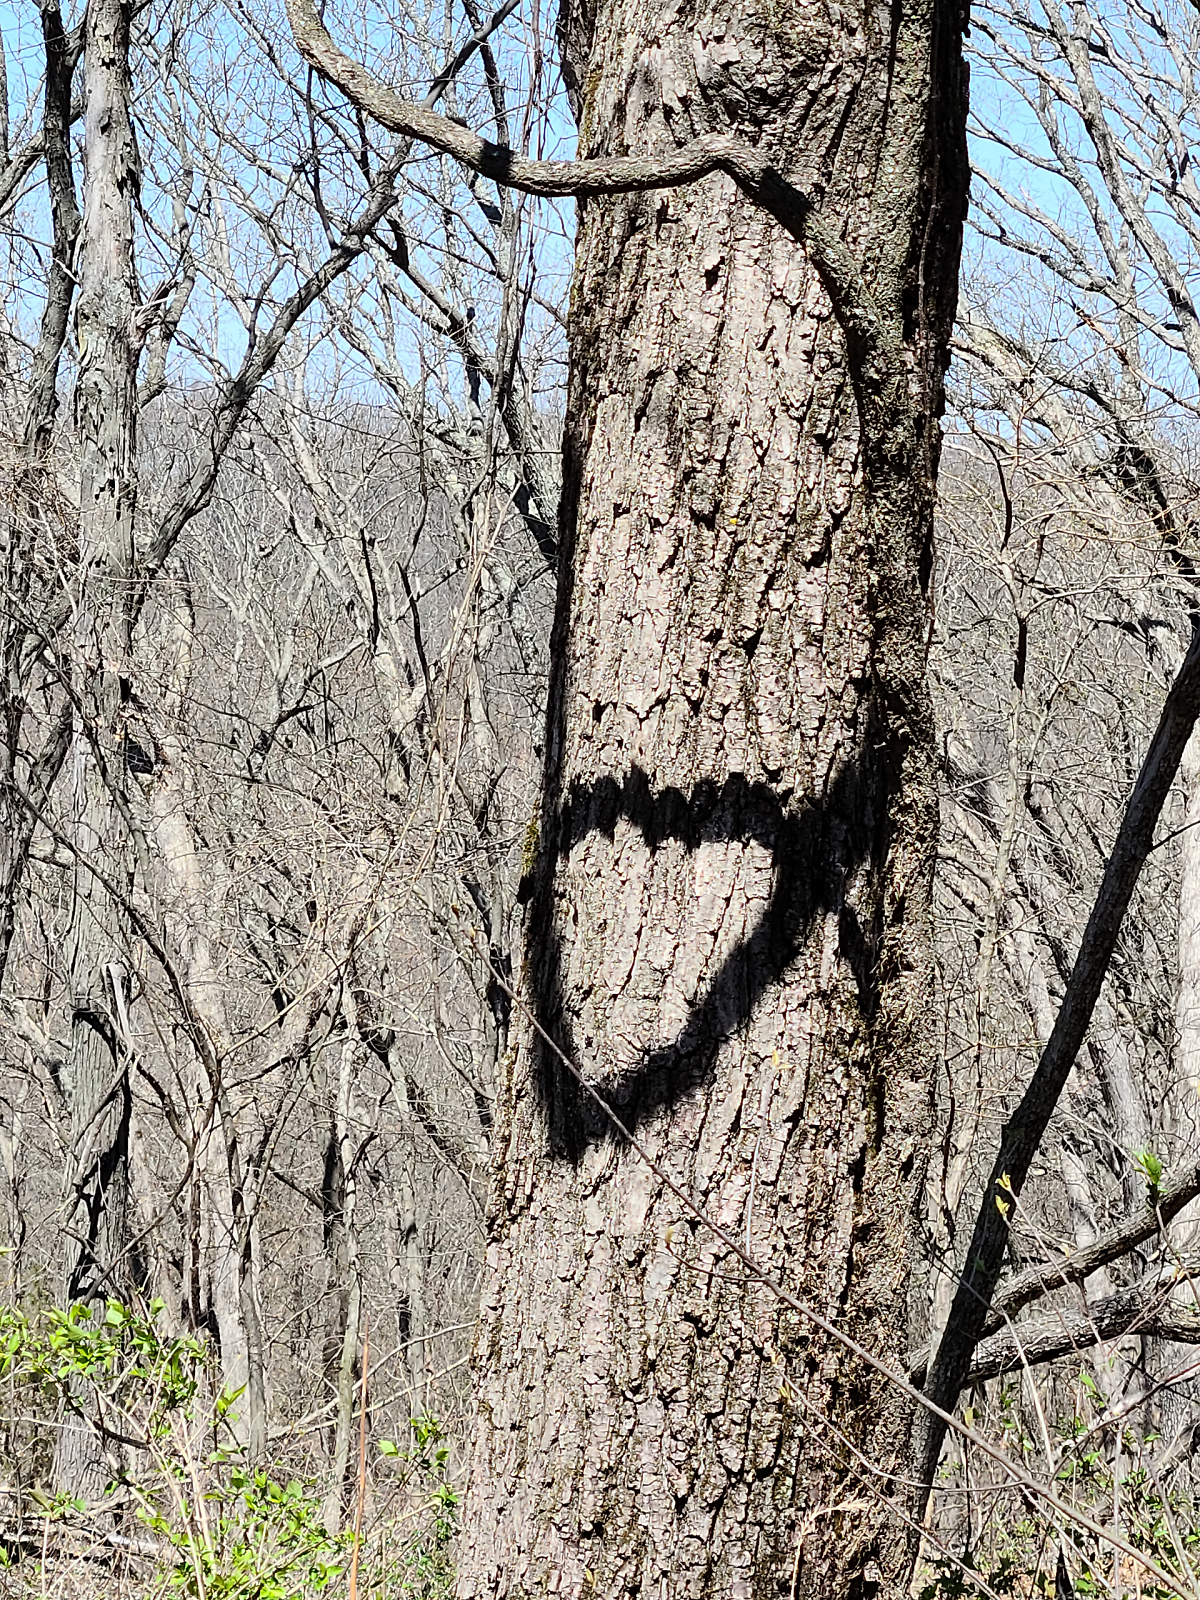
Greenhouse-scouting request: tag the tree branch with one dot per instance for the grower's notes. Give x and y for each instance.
(1023, 1132)
(1143, 1311)
(196, 492)
(874, 345)
(1036, 1282)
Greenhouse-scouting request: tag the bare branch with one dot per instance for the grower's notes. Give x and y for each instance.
(1023, 1132)
(1140, 1312)
(872, 341)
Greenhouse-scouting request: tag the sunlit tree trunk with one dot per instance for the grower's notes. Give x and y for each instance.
(344, 1269)
(98, 1087)
(219, 1271)
(729, 931)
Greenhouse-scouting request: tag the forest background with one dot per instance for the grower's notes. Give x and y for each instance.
(257, 951)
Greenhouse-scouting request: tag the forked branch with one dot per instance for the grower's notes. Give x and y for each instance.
(1035, 1282)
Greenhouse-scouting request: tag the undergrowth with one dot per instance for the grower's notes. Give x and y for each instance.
(184, 1511)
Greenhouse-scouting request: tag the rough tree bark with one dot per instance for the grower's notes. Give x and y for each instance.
(729, 927)
(729, 930)
(97, 1081)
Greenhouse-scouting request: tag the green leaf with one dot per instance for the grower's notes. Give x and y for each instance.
(1150, 1166)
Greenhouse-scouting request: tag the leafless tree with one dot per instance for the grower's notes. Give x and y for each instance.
(273, 637)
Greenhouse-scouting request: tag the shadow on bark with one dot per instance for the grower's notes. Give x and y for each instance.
(815, 855)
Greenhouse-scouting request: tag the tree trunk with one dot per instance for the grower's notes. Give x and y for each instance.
(729, 930)
(98, 1071)
(407, 1268)
(42, 406)
(344, 1278)
(217, 1266)
(37, 514)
